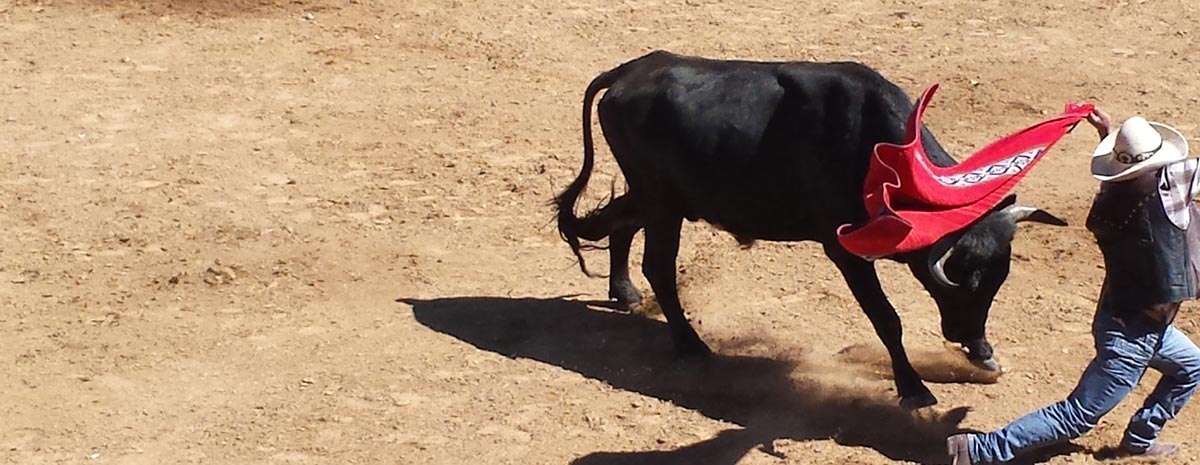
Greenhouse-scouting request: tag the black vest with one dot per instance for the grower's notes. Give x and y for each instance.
(1148, 260)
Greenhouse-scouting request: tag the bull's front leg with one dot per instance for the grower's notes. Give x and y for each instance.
(864, 284)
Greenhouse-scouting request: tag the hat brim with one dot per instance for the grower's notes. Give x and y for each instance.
(1107, 169)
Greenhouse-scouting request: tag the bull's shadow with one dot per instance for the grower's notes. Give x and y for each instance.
(635, 354)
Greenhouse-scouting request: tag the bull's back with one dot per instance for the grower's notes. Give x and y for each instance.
(768, 150)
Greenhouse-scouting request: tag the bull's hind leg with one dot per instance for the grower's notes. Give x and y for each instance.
(619, 222)
(620, 286)
(658, 264)
(864, 284)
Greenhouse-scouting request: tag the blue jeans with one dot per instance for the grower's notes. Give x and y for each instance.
(1123, 352)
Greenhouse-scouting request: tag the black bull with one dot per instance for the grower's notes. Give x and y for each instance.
(778, 152)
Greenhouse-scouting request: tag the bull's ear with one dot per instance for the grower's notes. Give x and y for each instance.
(1019, 213)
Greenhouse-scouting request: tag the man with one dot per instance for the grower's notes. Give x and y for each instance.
(1142, 220)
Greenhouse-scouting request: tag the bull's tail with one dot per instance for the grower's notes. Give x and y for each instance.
(595, 225)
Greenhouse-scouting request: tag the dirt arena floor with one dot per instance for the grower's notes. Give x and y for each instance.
(317, 232)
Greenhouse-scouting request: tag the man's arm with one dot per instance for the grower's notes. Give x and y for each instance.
(1100, 120)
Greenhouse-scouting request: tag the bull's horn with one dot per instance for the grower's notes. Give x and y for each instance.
(939, 269)
(1018, 213)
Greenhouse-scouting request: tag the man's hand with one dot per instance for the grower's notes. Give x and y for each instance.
(1100, 120)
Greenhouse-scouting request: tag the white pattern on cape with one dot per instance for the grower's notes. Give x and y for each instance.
(1006, 167)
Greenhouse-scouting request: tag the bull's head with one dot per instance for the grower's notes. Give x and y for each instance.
(964, 271)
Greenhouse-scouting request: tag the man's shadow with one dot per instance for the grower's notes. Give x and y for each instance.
(635, 354)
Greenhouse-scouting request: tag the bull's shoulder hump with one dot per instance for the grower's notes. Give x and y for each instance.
(845, 79)
(844, 74)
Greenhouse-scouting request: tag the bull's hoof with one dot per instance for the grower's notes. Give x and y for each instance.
(627, 298)
(988, 364)
(626, 305)
(917, 401)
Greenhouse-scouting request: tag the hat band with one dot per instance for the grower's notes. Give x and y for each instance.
(1131, 158)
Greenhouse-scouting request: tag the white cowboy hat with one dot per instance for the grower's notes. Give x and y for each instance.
(1137, 146)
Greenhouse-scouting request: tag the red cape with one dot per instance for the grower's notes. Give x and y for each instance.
(912, 203)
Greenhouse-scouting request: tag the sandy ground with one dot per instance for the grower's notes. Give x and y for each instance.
(266, 231)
